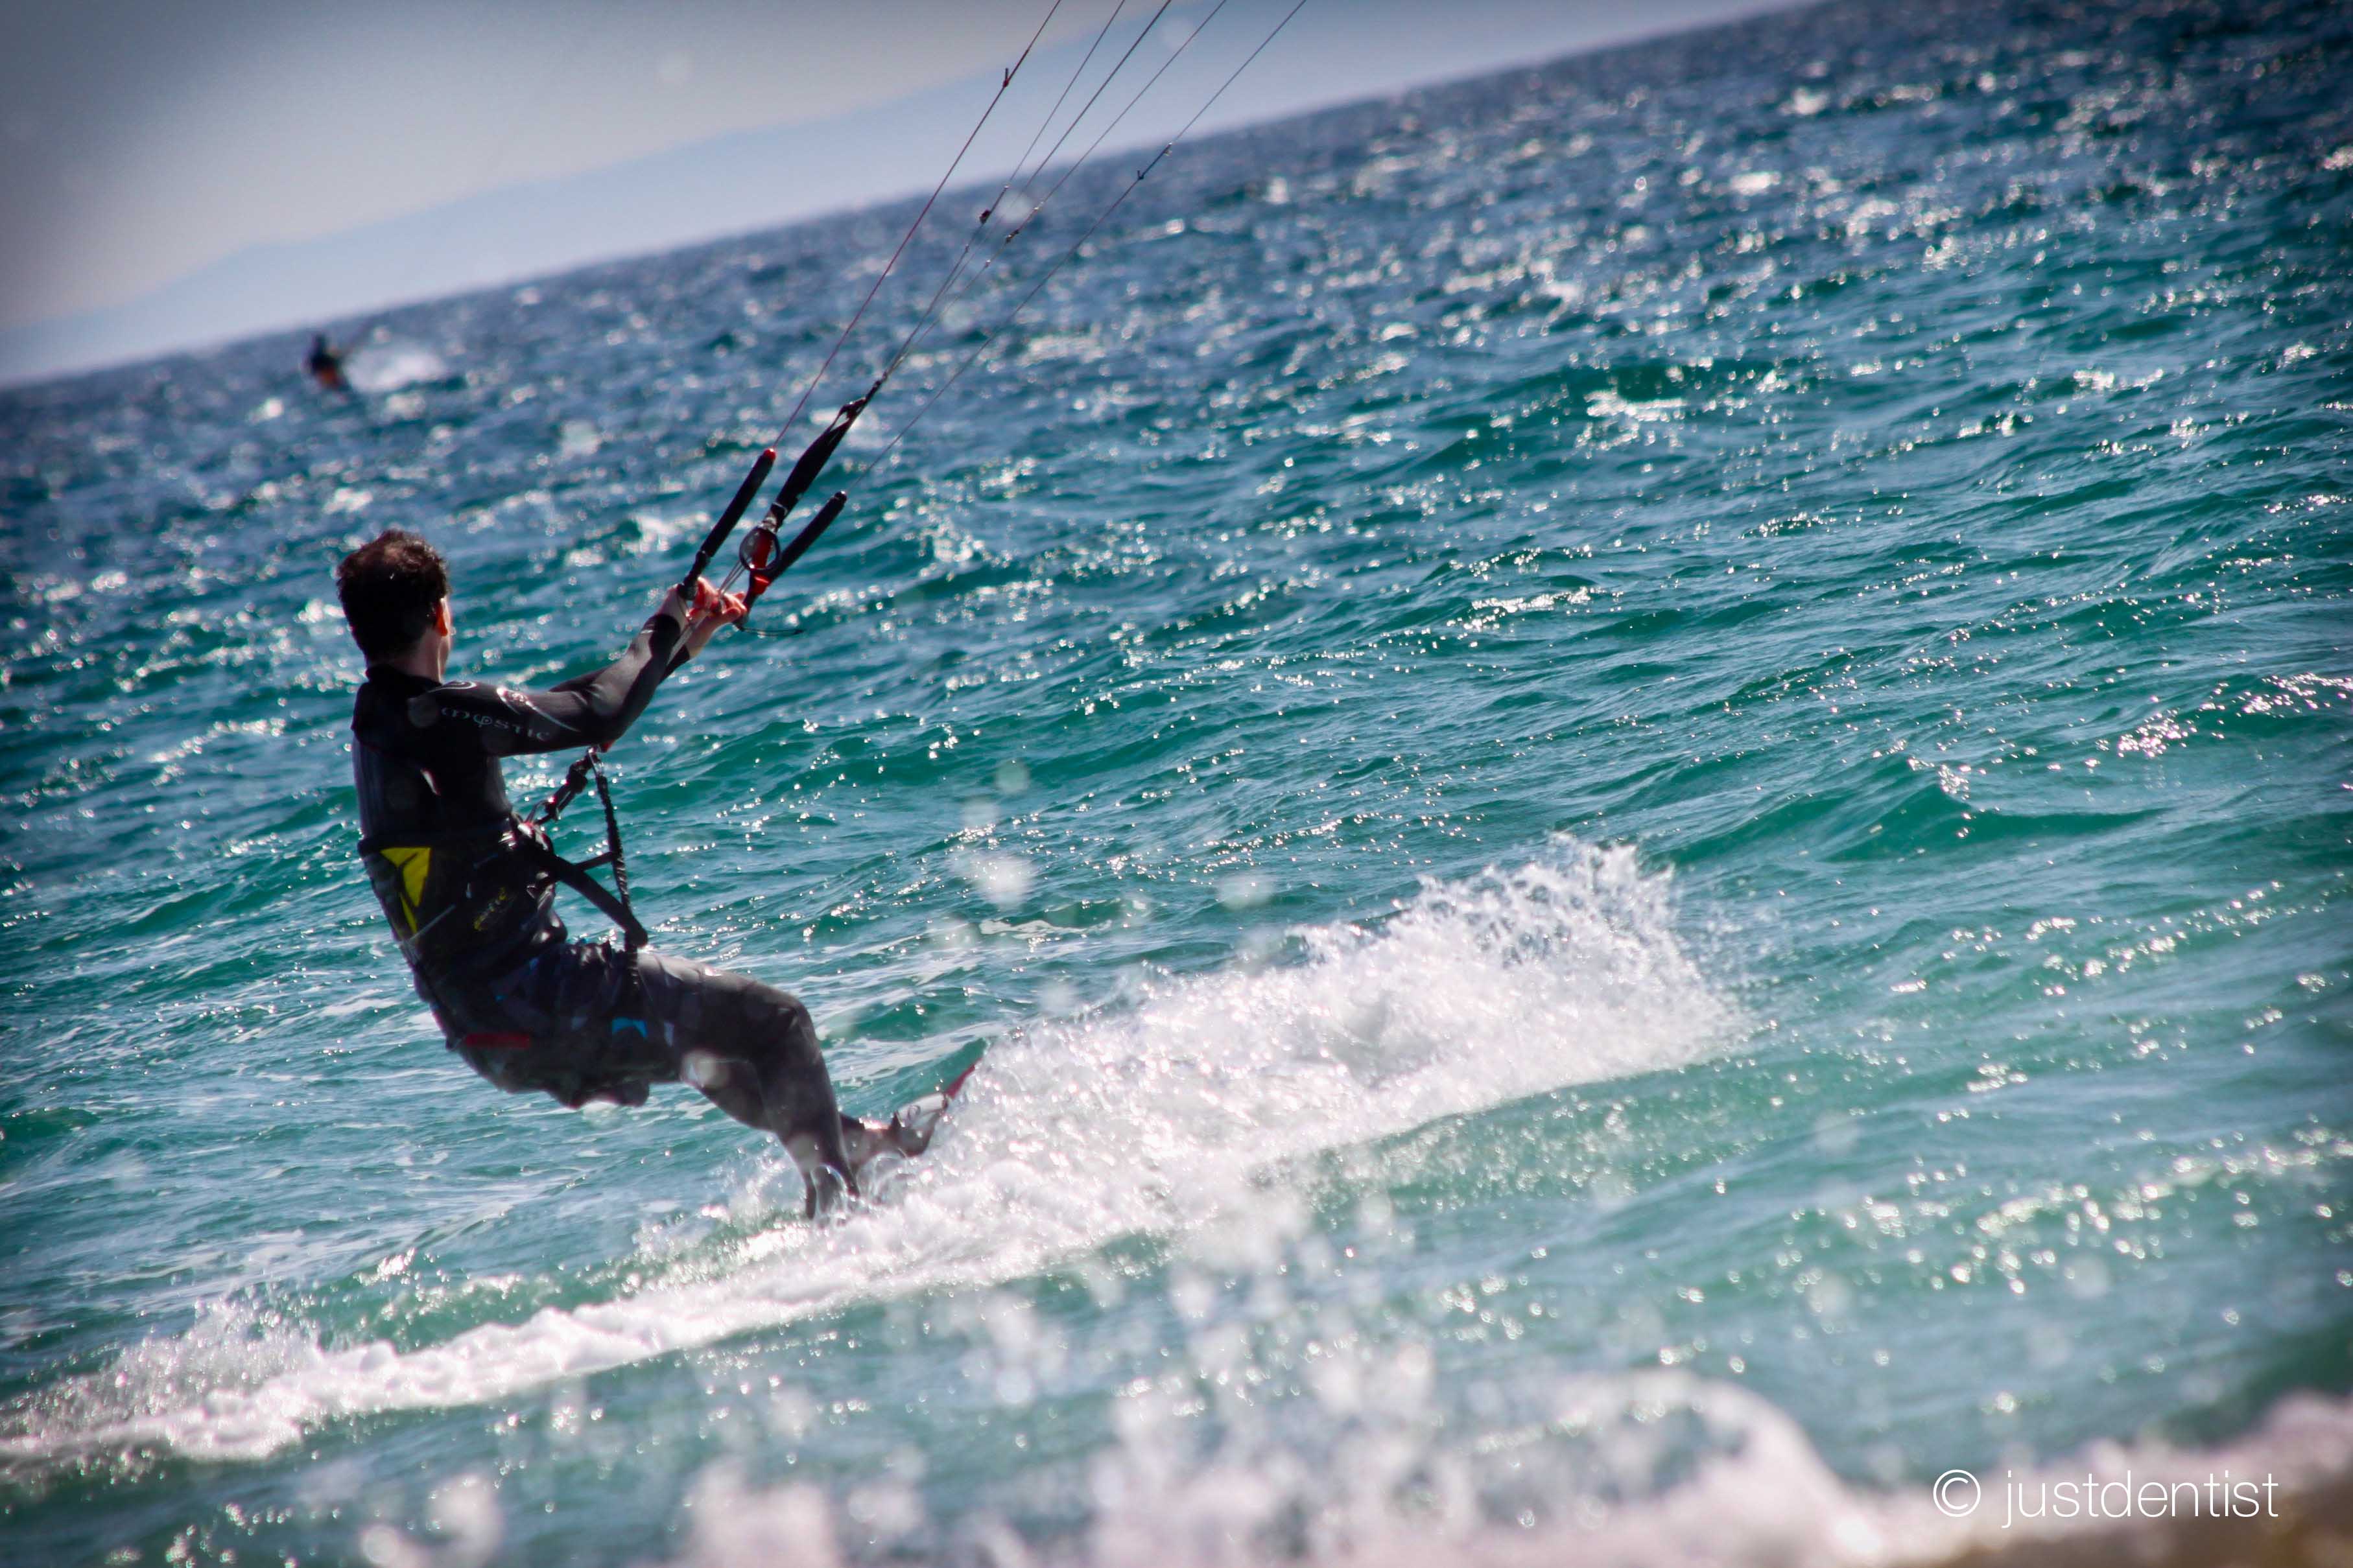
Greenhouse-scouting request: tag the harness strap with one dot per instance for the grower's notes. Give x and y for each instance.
(578, 878)
(575, 874)
(632, 933)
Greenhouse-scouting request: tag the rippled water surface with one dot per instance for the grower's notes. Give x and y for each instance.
(1639, 771)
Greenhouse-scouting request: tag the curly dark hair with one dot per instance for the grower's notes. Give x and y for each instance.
(389, 586)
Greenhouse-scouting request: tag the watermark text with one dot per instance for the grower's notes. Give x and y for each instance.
(1959, 1494)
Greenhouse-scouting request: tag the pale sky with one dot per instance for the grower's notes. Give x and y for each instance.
(141, 140)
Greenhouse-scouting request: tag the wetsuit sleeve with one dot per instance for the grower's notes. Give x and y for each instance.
(592, 710)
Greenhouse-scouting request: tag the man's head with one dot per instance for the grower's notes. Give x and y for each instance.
(395, 589)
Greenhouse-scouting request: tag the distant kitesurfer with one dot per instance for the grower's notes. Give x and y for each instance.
(325, 365)
(469, 887)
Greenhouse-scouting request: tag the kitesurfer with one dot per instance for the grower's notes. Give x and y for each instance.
(468, 885)
(325, 365)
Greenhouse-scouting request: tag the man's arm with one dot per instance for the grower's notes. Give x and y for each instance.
(592, 710)
(610, 700)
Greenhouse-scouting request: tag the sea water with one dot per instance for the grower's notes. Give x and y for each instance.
(1638, 773)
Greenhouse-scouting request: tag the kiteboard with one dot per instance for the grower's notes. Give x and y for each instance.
(913, 1125)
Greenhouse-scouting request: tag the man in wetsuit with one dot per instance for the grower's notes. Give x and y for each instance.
(469, 887)
(325, 365)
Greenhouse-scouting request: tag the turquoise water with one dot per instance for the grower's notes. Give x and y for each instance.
(1639, 771)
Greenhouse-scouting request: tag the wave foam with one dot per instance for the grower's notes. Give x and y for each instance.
(389, 367)
(1147, 1120)
(1652, 1469)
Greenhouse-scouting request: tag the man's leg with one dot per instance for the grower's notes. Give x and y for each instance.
(577, 1024)
(753, 1051)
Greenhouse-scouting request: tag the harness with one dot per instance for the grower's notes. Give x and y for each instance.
(483, 879)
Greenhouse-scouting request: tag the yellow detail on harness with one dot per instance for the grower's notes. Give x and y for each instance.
(413, 862)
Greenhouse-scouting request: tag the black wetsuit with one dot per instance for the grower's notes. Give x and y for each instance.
(470, 890)
(325, 365)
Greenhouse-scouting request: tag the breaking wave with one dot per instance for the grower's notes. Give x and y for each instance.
(1150, 1120)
